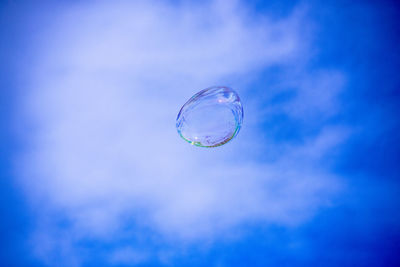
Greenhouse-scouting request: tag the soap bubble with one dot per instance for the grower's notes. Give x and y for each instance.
(211, 118)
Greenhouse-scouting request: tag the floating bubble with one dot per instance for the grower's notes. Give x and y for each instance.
(211, 118)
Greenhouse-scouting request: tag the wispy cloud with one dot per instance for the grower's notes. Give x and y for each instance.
(105, 158)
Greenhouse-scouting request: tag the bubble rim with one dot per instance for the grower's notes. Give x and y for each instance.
(237, 123)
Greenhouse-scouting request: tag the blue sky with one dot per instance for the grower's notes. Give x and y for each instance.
(93, 172)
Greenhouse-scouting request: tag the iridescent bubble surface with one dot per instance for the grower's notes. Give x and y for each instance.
(210, 118)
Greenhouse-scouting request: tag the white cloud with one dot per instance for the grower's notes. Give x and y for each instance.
(104, 94)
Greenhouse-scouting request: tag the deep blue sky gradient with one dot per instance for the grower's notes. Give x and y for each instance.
(359, 37)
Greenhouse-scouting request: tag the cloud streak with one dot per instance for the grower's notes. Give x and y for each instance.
(105, 158)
